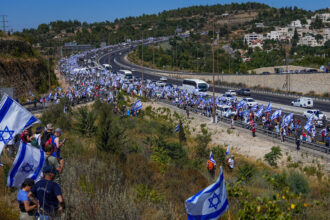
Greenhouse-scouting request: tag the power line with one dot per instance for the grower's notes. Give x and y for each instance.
(4, 21)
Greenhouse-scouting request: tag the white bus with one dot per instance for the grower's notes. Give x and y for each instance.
(107, 66)
(127, 74)
(195, 86)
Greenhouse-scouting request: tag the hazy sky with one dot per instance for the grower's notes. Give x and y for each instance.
(30, 13)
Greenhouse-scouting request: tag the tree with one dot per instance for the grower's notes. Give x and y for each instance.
(273, 156)
(110, 135)
(202, 140)
(295, 38)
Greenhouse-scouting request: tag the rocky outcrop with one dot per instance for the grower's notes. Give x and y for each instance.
(22, 68)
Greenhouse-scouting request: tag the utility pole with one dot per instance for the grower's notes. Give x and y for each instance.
(213, 107)
(4, 21)
(142, 65)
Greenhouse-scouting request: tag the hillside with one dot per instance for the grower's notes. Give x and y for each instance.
(22, 68)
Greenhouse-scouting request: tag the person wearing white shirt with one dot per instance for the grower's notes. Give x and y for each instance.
(231, 162)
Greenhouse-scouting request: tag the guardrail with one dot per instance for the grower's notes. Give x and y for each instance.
(263, 131)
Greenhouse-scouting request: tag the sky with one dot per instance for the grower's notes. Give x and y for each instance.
(30, 13)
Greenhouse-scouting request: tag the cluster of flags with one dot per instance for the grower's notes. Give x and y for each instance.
(29, 160)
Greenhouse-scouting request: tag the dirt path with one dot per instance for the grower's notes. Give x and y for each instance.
(242, 142)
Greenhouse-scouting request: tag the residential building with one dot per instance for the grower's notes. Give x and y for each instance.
(308, 41)
(326, 34)
(274, 35)
(257, 43)
(248, 38)
(260, 25)
(296, 24)
(325, 17)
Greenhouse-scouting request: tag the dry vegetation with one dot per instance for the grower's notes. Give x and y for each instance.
(150, 171)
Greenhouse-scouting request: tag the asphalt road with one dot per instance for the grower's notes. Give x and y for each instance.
(119, 56)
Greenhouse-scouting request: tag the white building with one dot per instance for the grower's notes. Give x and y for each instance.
(274, 35)
(308, 41)
(296, 24)
(248, 38)
(326, 34)
(281, 34)
(324, 17)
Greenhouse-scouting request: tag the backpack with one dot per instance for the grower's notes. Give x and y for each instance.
(210, 165)
(46, 137)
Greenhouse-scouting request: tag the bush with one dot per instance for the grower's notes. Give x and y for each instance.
(219, 154)
(273, 156)
(297, 182)
(246, 171)
(85, 120)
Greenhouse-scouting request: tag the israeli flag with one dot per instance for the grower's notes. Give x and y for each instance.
(28, 163)
(260, 111)
(276, 114)
(210, 203)
(177, 128)
(14, 118)
(269, 107)
(254, 108)
(137, 105)
(212, 158)
(287, 120)
(308, 126)
(227, 151)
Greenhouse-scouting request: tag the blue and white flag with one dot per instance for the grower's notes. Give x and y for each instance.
(14, 118)
(28, 163)
(31, 94)
(287, 120)
(177, 128)
(137, 105)
(276, 114)
(210, 203)
(254, 108)
(260, 111)
(212, 158)
(227, 151)
(269, 107)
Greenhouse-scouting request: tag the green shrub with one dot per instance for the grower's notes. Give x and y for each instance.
(202, 140)
(84, 121)
(273, 156)
(297, 182)
(246, 171)
(219, 154)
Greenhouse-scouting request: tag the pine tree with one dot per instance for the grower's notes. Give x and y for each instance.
(182, 135)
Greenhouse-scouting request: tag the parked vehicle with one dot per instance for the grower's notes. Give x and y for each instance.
(244, 92)
(265, 73)
(250, 102)
(318, 115)
(160, 83)
(303, 102)
(224, 111)
(231, 92)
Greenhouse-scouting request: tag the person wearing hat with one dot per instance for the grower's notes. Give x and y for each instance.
(49, 195)
(27, 208)
(46, 135)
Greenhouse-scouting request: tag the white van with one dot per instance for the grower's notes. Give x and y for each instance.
(303, 102)
(224, 111)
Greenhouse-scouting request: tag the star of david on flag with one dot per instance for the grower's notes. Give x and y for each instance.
(28, 163)
(14, 118)
(210, 203)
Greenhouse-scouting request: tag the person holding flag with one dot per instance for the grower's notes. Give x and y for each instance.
(210, 203)
(211, 165)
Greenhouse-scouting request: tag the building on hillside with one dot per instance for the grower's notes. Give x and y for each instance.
(326, 34)
(257, 43)
(308, 41)
(274, 35)
(248, 38)
(325, 17)
(260, 25)
(296, 24)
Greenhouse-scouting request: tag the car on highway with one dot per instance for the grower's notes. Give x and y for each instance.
(303, 102)
(164, 79)
(169, 85)
(160, 83)
(244, 92)
(228, 97)
(231, 92)
(265, 73)
(224, 111)
(250, 102)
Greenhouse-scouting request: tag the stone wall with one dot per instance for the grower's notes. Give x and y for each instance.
(305, 83)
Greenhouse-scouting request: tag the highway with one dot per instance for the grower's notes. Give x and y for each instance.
(148, 74)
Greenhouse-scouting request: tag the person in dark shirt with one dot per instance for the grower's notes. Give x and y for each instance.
(49, 195)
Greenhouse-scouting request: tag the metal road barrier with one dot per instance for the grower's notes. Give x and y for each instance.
(263, 131)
